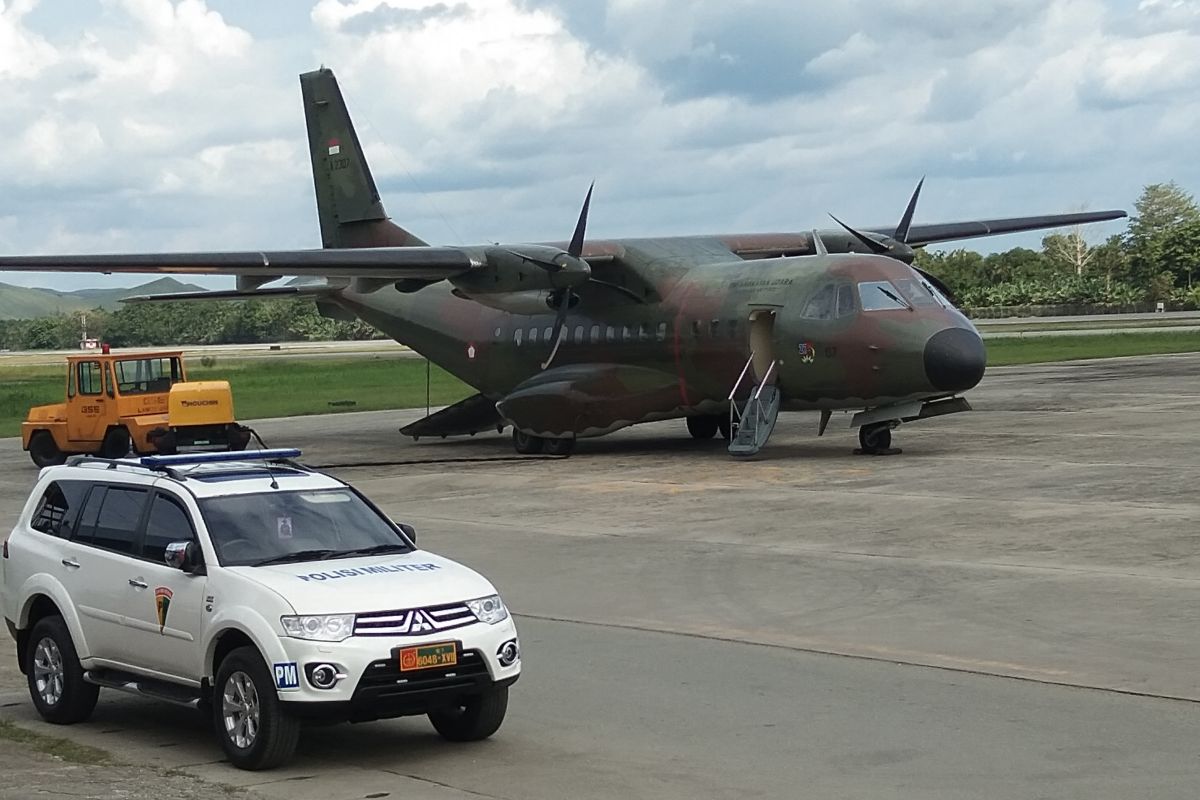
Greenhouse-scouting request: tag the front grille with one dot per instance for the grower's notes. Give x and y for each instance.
(413, 621)
(384, 677)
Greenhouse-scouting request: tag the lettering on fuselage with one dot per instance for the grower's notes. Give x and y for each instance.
(760, 283)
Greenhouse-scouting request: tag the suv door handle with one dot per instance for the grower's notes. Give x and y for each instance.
(140, 584)
(70, 562)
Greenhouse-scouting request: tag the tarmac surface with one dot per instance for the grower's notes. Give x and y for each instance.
(1009, 609)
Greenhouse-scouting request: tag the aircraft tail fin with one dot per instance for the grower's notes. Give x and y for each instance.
(348, 205)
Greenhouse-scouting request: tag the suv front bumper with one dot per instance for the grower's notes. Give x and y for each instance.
(374, 687)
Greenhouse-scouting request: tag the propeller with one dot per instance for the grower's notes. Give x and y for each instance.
(562, 298)
(901, 236)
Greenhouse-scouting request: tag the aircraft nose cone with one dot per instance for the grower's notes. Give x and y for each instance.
(954, 359)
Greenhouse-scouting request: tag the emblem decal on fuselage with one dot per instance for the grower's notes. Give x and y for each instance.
(807, 352)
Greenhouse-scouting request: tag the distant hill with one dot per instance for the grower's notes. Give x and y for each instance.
(18, 302)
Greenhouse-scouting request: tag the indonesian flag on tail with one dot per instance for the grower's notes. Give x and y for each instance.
(335, 147)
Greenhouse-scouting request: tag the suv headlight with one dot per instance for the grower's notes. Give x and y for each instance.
(319, 627)
(488, 609)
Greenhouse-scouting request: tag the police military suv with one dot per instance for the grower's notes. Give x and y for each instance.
(252, 586)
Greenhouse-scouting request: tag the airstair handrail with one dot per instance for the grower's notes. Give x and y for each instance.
(737, 384)
(766, 378)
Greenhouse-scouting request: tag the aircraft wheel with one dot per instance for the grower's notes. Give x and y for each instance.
(563, 446)
(527, 445)
(875, 438)
(44, 450)
(703, 427)
(725, 426)
(115, 444)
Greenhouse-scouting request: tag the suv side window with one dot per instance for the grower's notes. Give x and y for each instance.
(168, 522)
(59, 508)
(111, 517)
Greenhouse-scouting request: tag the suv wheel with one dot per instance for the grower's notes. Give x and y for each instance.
(255, 730)
(477, 719)
(56, 684)
(44, 450)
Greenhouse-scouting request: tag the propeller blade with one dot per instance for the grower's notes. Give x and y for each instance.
(564, 303)
(576, 246)
(875, 247)
(901, 234)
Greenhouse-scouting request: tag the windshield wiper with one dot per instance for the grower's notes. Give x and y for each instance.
(373, 549)
(299, 555)
(897, 299)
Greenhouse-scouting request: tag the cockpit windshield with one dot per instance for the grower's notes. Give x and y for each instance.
(916, 292)
(880, 296)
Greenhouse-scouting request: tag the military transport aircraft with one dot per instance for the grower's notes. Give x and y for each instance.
(578, 339)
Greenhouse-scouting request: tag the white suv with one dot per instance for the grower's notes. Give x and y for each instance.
(251, 585)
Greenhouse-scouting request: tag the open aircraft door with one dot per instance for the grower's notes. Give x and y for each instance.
(754, 401)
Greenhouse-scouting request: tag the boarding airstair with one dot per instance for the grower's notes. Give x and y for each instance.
(752, 418)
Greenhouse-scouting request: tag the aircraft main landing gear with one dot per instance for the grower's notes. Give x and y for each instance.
(527, 444)
(876, 440)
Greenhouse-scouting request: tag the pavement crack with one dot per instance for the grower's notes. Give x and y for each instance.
(442, 785)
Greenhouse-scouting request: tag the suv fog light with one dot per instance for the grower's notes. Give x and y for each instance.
(324, 676)
(508, 653)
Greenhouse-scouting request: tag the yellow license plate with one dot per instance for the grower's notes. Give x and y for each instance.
(428, 656)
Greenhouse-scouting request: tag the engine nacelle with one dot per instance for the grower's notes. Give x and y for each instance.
(521, 279)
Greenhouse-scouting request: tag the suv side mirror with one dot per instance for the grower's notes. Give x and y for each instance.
(184, 556)
(409, 531)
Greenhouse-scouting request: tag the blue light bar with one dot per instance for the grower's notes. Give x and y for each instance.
(183, 459)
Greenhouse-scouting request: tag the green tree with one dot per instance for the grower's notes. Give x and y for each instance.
(1161, 235)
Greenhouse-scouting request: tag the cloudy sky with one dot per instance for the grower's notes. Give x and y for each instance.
(146, 125)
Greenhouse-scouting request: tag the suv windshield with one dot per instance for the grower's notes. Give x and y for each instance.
(281, 526)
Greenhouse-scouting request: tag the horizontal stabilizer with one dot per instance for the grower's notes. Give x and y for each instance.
(472, 415)
(232, 294)
(427, 263)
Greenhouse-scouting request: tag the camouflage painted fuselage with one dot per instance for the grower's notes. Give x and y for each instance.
(681, 351)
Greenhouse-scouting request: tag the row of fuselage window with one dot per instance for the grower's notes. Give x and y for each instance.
(623, 334)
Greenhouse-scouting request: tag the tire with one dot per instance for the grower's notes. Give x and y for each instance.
(874, 438)
(559, 447)
(44, 450)
(115, 444)
(527, 445)
(725, 426)
(703, 427)
(55, 677)
(255, 730)
(479, 718)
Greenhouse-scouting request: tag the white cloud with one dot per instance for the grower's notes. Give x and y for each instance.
(162, 125)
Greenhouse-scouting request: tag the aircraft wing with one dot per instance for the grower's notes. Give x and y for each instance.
(949, 231)
(421, 263)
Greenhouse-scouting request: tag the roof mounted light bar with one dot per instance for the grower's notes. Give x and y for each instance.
(185, 459)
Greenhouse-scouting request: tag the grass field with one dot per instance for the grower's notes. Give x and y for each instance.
(295, 386)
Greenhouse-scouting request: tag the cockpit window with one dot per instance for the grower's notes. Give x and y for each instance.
(880, 296)
(916, 293)
(822, 304)
(845, 300)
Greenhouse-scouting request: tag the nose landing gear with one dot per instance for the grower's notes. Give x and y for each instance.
(876, 439)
